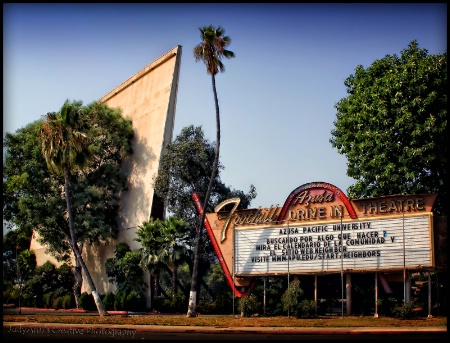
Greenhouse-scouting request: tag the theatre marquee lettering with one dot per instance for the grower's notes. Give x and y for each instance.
(330, 244)
(355, 245)
(262, 216)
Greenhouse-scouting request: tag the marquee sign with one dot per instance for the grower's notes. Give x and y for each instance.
(319, 230)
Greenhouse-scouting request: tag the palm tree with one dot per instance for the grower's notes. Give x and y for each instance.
(173, 251)
(211, 50)
(150, 237)
(66, 149)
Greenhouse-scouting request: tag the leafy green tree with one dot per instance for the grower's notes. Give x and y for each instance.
(26, 264)
(14, 243)
(24, 267)
(223, 296)
(124, 270)
(392, 126)
(272, 288)
(32, 194)
(292, 298)
(185, 168)
(46, 283)
(65, 277)
(32, 200)
(211, 50)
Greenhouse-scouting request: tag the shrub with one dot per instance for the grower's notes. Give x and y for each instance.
(166, 306)
(47, 299)
(108, 301)
(14, 295)
(404, 311)
(86, 302)
(57, 303)
(119, 300)
(248, 305)
(68, 301)
(223, 304)
(178, 303)
(134, 301)
(27, 300)
(387, 305)
(158, 304)
(307, 308)
(205, 307)
(6, 296)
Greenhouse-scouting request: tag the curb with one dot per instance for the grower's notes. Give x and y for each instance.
(122, 313)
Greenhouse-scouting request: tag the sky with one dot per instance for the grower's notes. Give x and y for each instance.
(276, 97)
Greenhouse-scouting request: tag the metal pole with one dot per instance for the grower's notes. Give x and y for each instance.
(264, 310)
(376, 295)
(316, 299)
(342, 269)
(288, 262)
(429, 296)
(233, 260)
(404, 258)
(18, 280)
(437, 294)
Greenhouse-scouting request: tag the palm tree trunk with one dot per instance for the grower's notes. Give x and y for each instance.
(156, 284)
(151, 278)
(193, 293)
(78, 282)
(174, 281)
(208, 289)
(179, 284)
(98, 302)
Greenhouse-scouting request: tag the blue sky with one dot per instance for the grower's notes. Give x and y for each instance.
(276, 97)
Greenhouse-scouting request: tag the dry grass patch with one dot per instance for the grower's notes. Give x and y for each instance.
(229, 321)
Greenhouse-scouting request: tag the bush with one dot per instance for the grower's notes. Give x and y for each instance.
(223, 303)
(158, 304)
(27, 300)
(178, 303)
(307, 308)
(119, 300)
(47, 299)
(57, 303)
(68, 301)
(248, 305)
(404, 311)
(6, 296)
(387, 305)
(14, 295)
(205, 307)
(87, 302)
(134, 301)
(108, 301)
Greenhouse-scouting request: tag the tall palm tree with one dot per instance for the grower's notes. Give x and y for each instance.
(66, 149)
(211, 50)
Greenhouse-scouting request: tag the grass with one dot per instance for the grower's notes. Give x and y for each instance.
(230, 321)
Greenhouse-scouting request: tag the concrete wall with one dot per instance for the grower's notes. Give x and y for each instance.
(148, 98)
